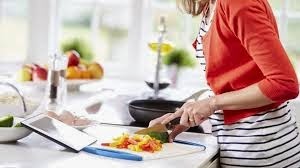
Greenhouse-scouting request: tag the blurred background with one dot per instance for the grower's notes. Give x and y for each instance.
(117, 32)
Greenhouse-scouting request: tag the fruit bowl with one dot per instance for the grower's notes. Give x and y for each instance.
(72, 85)
(77, 71)
(12, 134)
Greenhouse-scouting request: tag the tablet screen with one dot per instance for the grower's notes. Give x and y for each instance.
(59, 132)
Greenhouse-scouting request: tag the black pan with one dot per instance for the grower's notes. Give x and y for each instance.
(146, 110)
(143, 111)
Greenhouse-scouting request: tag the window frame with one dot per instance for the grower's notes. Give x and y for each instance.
(138, 30)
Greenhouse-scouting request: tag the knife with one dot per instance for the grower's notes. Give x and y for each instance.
(155, 128)
(162, 128)
(112, 153)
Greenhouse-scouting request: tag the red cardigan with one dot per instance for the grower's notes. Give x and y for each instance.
(242, 48)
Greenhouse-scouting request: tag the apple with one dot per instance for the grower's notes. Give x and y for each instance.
(29, 67)
(73, 58)
(39, 73)
(24, 74)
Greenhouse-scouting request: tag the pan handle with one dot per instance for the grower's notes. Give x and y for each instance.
(196, 95)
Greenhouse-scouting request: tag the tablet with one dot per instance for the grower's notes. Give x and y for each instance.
(58, 132)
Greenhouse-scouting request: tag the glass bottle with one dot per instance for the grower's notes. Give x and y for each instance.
(56, 91)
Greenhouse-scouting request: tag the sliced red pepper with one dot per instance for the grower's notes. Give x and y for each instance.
(147, 148)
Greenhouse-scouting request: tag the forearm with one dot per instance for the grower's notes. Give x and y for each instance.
(247, 98)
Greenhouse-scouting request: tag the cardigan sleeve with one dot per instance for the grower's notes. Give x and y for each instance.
(253, 24)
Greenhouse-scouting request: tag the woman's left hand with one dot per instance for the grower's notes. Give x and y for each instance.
(193, 113)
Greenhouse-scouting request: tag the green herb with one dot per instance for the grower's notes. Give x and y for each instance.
(162, 136)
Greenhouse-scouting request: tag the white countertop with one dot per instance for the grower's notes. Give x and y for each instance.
(37, 152)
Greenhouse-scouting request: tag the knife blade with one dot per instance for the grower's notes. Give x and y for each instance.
(161, 127)
(155, 128)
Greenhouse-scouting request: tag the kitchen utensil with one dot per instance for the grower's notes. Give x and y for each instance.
(105, 133)
(168, 150)
(162, 128)
(155, 128)
(56, 90)
(162, 85)
(146, 110)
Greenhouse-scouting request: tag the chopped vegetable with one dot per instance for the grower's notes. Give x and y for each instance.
(162, 136)
(6, 121)
(136, 143)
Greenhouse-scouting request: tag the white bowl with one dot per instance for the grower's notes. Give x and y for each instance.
(11, 104)
(13, 134)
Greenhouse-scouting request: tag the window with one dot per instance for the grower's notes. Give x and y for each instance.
(13, 30)
(288, 17)
(182, 29)
(118, 31)
(102, 24)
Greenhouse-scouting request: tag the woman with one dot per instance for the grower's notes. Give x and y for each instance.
(252, 79)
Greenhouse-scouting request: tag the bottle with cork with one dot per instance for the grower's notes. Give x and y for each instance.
(56, 92)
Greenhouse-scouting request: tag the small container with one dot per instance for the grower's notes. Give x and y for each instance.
(56, 92)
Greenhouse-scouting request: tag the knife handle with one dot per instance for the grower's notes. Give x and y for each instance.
(173, 123)
(112, 153)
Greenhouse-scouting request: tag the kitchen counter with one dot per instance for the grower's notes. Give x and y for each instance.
(35, 151)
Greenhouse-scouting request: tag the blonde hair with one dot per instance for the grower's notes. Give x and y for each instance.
(193, 7)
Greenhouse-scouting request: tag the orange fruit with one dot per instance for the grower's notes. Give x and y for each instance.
(73, 72)
(96, 70)
(85, 74)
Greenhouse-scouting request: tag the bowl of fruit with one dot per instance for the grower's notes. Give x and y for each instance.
(78, 72)
(11, 129)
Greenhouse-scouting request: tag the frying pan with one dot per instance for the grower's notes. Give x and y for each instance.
(143, 111)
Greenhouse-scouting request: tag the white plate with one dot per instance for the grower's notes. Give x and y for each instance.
(13, 134)
(82, 127)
